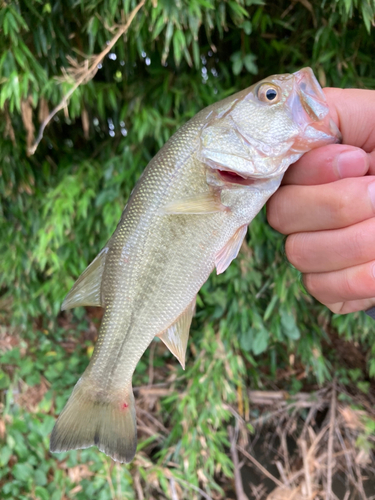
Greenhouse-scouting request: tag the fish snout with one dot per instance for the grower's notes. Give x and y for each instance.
(310, 111)
(311, 94)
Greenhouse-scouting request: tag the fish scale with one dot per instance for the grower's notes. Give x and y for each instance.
(187, 214)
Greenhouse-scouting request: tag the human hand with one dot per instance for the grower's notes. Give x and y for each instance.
(327, 207)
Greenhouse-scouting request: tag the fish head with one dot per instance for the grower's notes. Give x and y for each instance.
(258, 132)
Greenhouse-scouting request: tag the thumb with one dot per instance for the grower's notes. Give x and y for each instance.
(353, 110)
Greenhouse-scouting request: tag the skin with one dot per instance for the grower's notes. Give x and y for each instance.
(326, 206)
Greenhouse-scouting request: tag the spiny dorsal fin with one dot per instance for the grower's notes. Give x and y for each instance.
(176, 336)
(230, 250)
(202, 203)
(86, 290)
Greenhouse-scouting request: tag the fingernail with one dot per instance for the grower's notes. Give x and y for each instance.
(371, 192)
(352, 163)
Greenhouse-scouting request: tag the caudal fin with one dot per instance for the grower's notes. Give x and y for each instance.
(86, 421)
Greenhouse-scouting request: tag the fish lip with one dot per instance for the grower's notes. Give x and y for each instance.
(311, 94)
(309, 108)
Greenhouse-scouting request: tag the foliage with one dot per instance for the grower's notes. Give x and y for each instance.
(59, 206)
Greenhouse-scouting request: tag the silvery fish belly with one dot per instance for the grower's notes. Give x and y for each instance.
(187, 215)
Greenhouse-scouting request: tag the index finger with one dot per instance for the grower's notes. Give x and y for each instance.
(353, 111)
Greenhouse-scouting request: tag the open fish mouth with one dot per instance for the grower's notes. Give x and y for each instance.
(230, 177)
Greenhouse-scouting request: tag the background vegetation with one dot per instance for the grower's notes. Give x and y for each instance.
(254, 328)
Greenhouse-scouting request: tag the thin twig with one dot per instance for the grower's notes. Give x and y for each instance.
(281, 470)
(109, 479)
(260, 467)
(172, 483)
(284, 447)
(138, 486)
(332, 422)
(151, 364)
(306, 467)
(118, 480)
(360, 487)
(347, 455)
(347, 494)
(193, 487)
(154, 420)
(86, 76)
(237, 470)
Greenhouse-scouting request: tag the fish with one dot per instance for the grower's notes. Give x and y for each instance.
(188, 214)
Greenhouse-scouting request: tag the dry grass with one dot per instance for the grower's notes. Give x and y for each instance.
(326, 444)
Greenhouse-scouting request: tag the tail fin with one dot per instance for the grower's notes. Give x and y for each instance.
(86, 421)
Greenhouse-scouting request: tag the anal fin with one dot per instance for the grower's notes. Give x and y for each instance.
(230, 250)
(86, 290)
(176, 336)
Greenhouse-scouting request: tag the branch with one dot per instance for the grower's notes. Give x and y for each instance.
(260, 467)
(332, 422)
(236, 466)
(86, 76)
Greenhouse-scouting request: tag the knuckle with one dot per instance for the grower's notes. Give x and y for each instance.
(311, 284)
(336, 308)
(342, 209)
(347, 285)
(357, 242)
(349, 204)
(275, 211)
(294, 250)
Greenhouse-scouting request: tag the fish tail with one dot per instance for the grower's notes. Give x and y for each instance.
(86, 420)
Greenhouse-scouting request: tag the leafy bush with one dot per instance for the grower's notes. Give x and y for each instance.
(59, 206)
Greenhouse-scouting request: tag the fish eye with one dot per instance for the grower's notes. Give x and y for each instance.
(269, 93)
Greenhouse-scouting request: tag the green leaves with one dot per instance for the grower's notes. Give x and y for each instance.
(240, 61)
(58, 208)
(260, 343)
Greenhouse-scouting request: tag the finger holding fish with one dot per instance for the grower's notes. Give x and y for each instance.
(327, 164)
(334, 205)
(327, 206)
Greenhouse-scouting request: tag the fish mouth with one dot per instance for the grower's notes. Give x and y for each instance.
(311, 94)
(310, 111)
(230, 177)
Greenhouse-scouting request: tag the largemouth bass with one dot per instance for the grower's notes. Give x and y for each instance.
(188, 214)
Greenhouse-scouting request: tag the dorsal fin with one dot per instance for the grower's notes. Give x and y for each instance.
(176, 336)
(86, 290)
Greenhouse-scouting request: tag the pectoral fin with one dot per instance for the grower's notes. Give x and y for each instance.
(176, 336)
(230, 250)
(86, 290)
(202, 203)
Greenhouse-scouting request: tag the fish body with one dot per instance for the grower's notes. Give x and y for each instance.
(188, 214)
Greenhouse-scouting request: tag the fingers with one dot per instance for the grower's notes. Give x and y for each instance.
(327, 206)
(351, 306)
(328, 164)
(323, 251)
(353, 110)
(335, 205)
(356, 283)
